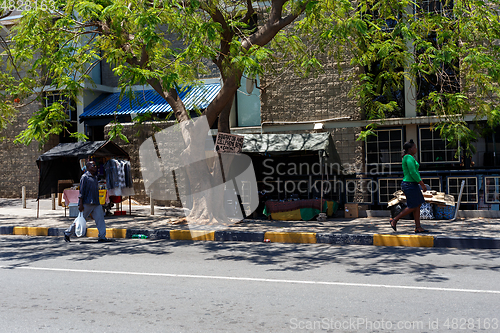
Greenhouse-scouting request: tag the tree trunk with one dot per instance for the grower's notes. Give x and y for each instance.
(224, 97)
(223, 126)
(206, 182)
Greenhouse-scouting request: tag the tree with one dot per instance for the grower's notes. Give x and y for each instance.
(387, 40)
(59, 46)
(448, 49)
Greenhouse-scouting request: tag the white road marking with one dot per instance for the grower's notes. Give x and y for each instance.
(191, 276)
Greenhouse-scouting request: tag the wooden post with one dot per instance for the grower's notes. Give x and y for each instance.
(24, 196)
(321, 168)
(53, 196)
(459, 200)
(152, 204)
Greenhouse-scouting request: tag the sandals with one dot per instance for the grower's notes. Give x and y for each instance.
(417, 231)
(393, 226)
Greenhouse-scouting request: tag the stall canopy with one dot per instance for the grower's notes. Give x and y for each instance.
(275, 144)
(61, 162)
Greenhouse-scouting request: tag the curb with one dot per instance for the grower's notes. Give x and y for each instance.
(275, 237)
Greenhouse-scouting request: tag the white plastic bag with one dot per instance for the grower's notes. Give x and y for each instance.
(80, 225)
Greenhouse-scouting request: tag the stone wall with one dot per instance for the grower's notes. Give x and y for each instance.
(351, 152)
(288, 97)
(18, 162)
(319, 97)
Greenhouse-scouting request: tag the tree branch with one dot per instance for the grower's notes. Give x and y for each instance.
(91, 67)
(6, 47)
(274, 24)
(249, 13)
(227, 33)
(144, 56)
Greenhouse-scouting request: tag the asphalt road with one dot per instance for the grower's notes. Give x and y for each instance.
(48, 285)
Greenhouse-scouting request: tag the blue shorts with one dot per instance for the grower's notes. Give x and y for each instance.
(413, 193)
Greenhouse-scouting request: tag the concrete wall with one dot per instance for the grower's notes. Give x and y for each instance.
(108, 78)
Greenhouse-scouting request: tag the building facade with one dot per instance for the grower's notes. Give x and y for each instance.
(371, 169)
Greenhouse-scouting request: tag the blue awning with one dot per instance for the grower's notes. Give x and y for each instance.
(107, 105)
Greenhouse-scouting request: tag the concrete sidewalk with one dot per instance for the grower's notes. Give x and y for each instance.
(462, 233)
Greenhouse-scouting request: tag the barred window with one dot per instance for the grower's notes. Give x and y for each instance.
(387, 187)
(385, 147)
(492, 189)
(441, 7)
(470, 193)
(68, 104)
(433, 149)
(433, 182)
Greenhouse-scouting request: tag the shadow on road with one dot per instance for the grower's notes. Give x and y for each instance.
(28, 250)
(363, 260)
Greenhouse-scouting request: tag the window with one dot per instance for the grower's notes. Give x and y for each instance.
(441, 7)
(384, 72)
(445, 80)
(359, 190)
(387, 91)
(387, 187)
(433, 182)
(68, 104)
(248, 104)
(470, 193)
(385, 148)
(433, 149)
(491, 156)
(492, 189)
(441, 79)
(376, 17)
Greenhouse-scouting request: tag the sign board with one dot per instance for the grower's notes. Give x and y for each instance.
(229, 143)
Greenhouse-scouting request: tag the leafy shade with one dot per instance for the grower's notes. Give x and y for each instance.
(163, 43)
(450, 53)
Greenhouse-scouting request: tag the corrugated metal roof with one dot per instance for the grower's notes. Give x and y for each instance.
(150, 101)
(11, 17)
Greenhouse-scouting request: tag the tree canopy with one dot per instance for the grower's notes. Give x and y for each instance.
(449, 50)
(163, 43)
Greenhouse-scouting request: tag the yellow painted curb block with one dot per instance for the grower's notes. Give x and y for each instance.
(31, 231)
(110, 233)
(403, 240)
(291, 237)
(292, 215)
(192, 235)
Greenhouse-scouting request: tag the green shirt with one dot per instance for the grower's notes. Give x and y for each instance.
(410, 169)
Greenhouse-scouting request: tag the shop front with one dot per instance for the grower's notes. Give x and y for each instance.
(61, 167)
(294, 174)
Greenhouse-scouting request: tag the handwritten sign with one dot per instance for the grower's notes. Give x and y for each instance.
(229, 143)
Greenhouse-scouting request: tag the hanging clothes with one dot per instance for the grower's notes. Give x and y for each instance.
(119, 178)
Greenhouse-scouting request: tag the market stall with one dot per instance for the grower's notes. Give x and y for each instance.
(64, 162)
(288, 167)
